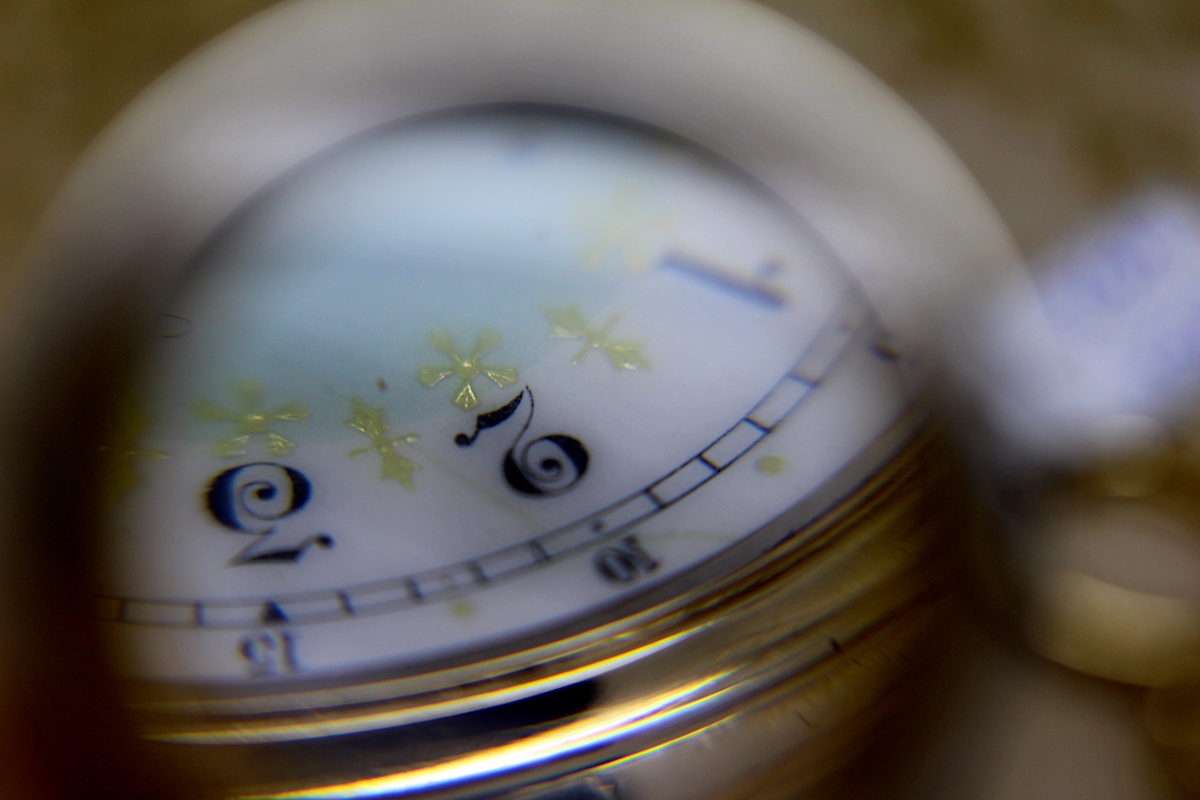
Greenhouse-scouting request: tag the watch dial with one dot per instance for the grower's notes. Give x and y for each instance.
(473, 378)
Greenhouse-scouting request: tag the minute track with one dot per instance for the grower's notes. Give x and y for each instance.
(455, 580)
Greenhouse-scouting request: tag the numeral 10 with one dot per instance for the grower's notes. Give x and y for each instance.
(624, 562)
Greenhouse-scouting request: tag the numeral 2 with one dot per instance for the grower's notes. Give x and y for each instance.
(251, 498)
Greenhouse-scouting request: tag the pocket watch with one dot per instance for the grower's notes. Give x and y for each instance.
(464, 399)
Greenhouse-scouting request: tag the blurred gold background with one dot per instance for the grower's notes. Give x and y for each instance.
(1058, 107)
(1055, 105)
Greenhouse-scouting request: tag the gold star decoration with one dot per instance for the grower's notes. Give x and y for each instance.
(120, 457)
(372, 423)
(570, 323)
(467, 368)
(622, 229)
(251, 421)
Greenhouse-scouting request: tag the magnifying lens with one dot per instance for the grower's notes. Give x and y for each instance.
(445, 398)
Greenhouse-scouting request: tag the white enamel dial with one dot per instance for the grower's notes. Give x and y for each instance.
(471, 378)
